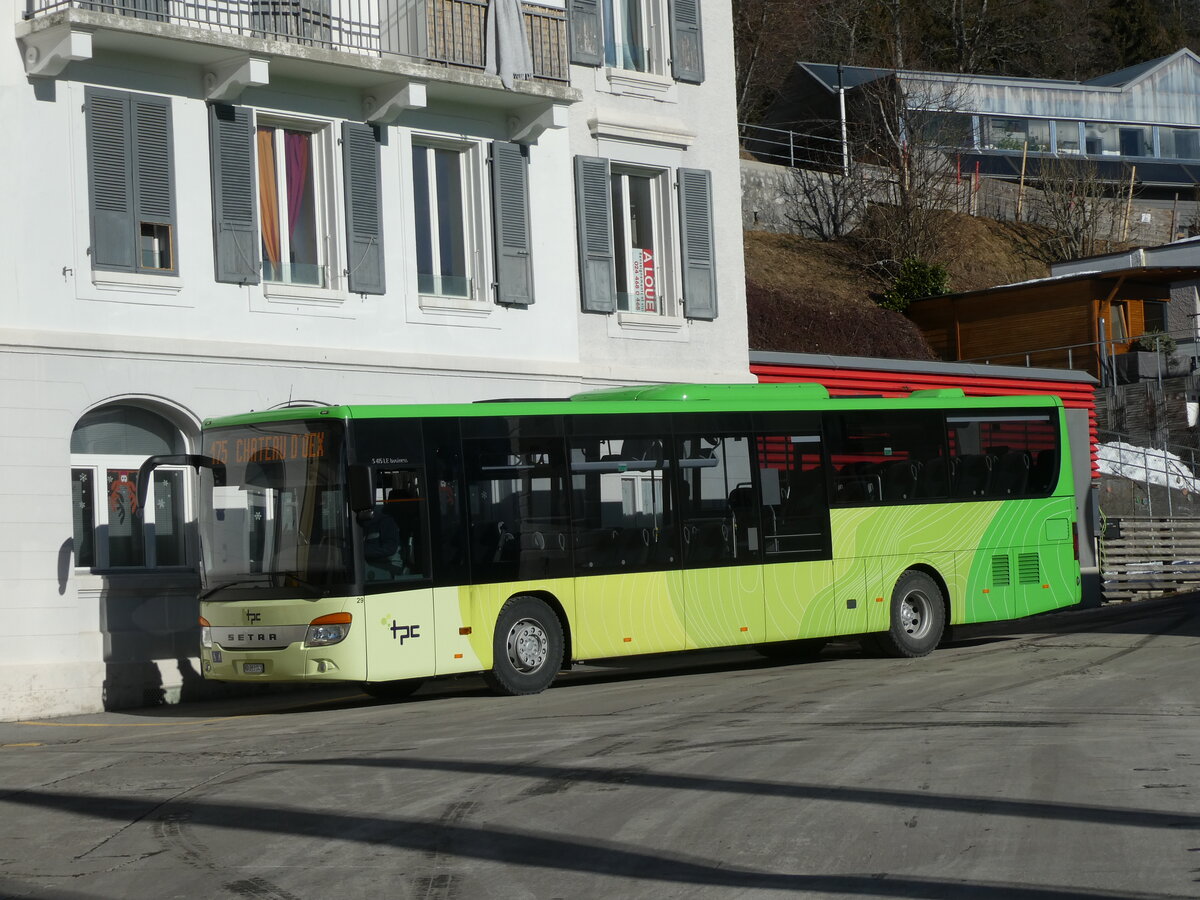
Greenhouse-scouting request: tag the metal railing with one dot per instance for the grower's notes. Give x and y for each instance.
(791, 148)
(1101, 354)
(448, 32)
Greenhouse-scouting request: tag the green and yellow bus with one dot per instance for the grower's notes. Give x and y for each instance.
(390, 544)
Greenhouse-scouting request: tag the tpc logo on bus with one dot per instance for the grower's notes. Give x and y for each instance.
(402, 632)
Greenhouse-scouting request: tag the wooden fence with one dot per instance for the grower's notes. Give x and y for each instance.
(1146, 557)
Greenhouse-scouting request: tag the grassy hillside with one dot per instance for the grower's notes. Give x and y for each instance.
(809, 296)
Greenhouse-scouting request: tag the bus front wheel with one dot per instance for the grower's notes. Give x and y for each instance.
(918, 617)
(527, 648)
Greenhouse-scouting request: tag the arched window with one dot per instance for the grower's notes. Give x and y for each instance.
(107, 446)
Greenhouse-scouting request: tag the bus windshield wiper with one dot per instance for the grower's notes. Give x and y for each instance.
(228, 584)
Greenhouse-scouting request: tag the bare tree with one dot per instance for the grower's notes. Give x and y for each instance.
(910, 132)
(768, 35)
(1078, 206)
(826, 205)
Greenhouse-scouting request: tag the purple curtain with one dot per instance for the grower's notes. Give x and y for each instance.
(296, 153)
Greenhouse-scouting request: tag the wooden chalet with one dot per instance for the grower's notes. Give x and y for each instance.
(1071, 321)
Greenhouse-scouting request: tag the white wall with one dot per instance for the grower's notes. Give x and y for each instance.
(676, 125)
(70, 343)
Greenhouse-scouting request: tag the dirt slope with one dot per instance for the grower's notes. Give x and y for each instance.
(808, 296)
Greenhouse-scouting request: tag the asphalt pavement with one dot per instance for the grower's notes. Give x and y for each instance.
(1057, 757)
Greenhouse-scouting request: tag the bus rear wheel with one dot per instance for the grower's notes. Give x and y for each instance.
(918, 617)
(527, 648)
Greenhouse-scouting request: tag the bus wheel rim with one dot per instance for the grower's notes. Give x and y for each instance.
(915, 614)
(528, 645)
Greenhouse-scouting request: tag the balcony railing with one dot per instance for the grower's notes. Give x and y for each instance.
(446, 32)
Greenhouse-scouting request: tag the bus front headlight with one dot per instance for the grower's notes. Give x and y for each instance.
(205, 634)
(326, 630)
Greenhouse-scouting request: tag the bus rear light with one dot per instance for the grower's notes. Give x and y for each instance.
(326, 630)
(1075, 538)
(205, 634)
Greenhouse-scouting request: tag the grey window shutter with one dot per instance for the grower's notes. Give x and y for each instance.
(687, 45)
(110, 180)
(696, 239)
(235, 216)
(593, 204)
(510, 217)
(585, 35)
(153, 165)
(364, 209)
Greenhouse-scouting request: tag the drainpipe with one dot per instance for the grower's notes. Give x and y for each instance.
(842, 114)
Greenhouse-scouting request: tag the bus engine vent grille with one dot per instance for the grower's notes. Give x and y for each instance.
(1001, 571)
(1028, 570)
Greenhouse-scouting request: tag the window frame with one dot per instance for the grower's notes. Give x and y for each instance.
(326, 200)
(474, 187)
(665, 237)
(99, 465)
(652, 20)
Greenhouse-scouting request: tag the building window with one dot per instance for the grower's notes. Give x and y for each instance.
(640, 227)
(446, 188)
(131, 182)
(633, 255)
(1119, 320)
(1101, 139)
(291, 205)
(1015, 134)
(658, 37)
(274, 202)
(1066, 136)
(1136, 140)
(110, 529)
(1180, 143)
(633, 30)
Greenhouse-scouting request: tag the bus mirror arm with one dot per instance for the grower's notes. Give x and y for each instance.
(176, 459)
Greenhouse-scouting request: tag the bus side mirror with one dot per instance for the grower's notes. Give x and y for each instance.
(362, 502)
(176, 459)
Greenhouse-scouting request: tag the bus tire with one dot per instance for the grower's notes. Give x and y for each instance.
(392, 690)
(527, 648)
(918, 617)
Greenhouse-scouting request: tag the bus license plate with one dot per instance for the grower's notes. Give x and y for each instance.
(254, 668)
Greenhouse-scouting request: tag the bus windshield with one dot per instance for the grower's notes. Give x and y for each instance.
(277, 515)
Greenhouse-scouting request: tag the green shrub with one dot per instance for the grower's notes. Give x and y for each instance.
(917, 279)
(1155, 341)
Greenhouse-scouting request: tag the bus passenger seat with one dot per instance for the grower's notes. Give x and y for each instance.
(1011, 474)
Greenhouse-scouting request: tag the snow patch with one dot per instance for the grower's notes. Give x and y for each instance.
(1147, 464)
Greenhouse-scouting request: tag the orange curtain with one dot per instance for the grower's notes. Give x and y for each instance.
(268, 198)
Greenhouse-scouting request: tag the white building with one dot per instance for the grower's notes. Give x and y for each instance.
(239, 204)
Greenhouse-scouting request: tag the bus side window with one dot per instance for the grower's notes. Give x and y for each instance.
(1003, 455)
(519, 521)
(395, 548)
(718, 510)
(622, 504)
(795, 509)
(887, 457)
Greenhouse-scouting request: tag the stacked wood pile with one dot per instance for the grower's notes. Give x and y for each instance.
(1148, 557)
